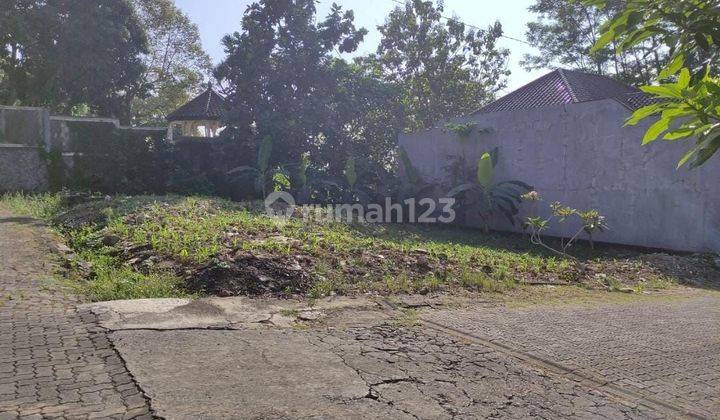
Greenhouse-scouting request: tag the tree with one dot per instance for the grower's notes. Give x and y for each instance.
(284, 83)
(64, 53)
(176, 64)
(566, 31)
(687, 91)
(444, 69)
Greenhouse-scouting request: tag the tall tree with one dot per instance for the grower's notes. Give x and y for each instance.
(176, 64)
(566, 31)
(445, 68)
(282, 79)
(64, 53)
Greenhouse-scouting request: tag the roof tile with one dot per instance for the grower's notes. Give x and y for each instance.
(209, 105)
(565, 87)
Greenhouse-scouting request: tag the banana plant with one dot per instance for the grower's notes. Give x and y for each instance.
(353, 192)
(261, 174)
(489, 198)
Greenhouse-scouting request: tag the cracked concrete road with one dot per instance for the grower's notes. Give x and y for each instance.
(211, 358)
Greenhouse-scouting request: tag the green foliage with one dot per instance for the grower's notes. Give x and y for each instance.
(488, 198)
(462, 130)
(43, 206)
(591, 221)
(689, 105)
(56, 168)
(305, 96)
(350, 173)
(60, 54)
(175, 65)
(444, 69)
(565, 31)
(485, 171)
(112, 160)
(262, 174)
(120, 283)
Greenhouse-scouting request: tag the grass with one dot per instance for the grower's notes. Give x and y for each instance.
(44, 206)
(194, 232)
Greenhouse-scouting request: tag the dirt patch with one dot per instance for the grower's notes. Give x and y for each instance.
(251, 274)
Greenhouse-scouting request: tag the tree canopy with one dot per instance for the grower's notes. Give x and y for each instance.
(565, 32)
(284, 80)
(62, 53)
(444, 68)
(176, 64)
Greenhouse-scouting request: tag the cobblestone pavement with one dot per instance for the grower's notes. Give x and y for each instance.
(54, 360)
(667, 350)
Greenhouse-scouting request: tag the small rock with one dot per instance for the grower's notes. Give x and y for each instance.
(310, 316)
(110, 240)
(717, 262)
(63, 249)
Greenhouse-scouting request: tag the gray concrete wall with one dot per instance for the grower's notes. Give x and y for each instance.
(22, 168)
(581, 155)
(24, 134)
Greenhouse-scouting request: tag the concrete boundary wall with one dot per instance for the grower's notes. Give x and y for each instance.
(581, 155)
(26, 133)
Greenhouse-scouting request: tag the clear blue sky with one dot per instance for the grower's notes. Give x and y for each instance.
(215, 18)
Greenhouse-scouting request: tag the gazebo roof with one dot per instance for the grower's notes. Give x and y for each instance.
(209, 105)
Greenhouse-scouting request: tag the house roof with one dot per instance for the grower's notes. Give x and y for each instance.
(209, 105)
(566, 87)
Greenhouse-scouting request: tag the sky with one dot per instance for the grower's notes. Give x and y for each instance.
(216, 18)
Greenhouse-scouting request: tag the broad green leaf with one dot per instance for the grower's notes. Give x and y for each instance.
(350, 173)
(460, 189)
(684, 78)
(679, 134)
(706, 152)
(264, 153)
(603, 41)
(655, 130)
(302, 169)
(673, 67)
(689, 155)
(643, 113)
(664, 91)
(485, 171)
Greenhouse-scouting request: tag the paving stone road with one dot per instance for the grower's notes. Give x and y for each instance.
(55, 361)
(668, 350)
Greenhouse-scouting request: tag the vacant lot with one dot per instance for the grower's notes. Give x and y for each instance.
(137, 247)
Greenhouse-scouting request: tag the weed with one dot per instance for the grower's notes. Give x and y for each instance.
(408, 318)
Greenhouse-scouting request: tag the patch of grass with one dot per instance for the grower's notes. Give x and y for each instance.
(339, 258)
(126, 283)
(40, 206)
(408, 318)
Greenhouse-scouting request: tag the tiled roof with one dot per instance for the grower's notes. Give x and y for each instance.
(636, 100)
(565, 87)
(209, 105)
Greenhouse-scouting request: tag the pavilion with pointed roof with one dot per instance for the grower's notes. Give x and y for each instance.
(201, 117)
